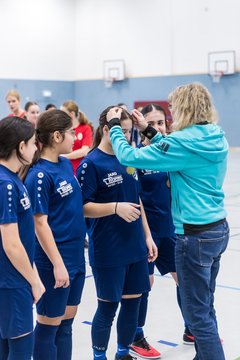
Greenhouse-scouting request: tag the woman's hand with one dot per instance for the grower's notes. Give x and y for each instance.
(114, 113)
(139, 120)
(128, 211)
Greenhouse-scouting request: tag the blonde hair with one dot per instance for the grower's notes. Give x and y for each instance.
(14, 93)
(190, 105)
(71, 106)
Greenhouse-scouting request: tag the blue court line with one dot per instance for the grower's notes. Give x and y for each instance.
(167, 343)
(219, 285)
(87, 322)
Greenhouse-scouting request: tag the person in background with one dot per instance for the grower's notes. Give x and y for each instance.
(13, 100)
(83, 133)
(50, 107)
(32, 112)
(20, 285)
(56, 199)
(195, 154)
(120, 241)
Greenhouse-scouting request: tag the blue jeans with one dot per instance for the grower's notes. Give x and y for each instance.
(197, 264)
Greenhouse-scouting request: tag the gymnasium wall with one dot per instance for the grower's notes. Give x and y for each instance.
(60, 46)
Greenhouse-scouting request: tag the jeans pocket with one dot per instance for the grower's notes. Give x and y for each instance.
(211, 248)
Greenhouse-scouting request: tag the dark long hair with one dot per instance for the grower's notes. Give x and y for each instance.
(49, 122)
(103, 121)
(153, 107)
(14, 130)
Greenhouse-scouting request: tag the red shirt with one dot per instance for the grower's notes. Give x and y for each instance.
(83, 138)
(21, 115)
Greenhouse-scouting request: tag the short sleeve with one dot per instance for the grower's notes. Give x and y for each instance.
(39, 188)
(87, 177)
(87, 136)
(9, 202)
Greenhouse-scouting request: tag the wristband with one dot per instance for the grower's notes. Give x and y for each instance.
(149, 132)
(113, 122)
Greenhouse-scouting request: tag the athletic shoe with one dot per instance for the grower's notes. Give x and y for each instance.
(125, 357)
(143, 349)
(188, 339)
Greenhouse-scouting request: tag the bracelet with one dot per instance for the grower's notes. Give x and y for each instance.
(115, 212)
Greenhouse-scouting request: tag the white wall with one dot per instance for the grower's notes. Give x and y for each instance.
(70, 39)
(37, 39)
(154, 37)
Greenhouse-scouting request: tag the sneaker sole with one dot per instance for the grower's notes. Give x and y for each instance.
(188, 342)
(144, 357)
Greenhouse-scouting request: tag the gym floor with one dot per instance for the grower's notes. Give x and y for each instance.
(164, 325)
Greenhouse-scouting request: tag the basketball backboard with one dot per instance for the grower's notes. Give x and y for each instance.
(221, 62)
(113, 70)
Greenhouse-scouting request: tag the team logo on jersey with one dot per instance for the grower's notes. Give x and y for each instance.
(79, 136)
(113, 179)
(149, 172)
(64, 188)
(132, 171)
(25, 202)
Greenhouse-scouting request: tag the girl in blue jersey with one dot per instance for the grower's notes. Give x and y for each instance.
(156, 198)
(195, 154)
(20, 285)
(117, 247)
(60, 228)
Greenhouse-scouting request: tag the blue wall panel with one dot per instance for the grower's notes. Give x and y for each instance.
(32, 90)
(92, 96)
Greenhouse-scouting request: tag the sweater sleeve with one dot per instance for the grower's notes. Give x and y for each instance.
(164, 153)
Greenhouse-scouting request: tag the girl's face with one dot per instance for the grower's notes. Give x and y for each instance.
(28, 149)
(32, 114)
(127, 129)
(65, 146)
(13, 103)
(156, 119)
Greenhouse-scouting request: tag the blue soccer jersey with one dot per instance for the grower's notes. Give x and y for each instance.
(113, 241)
(54, 191)
(156, 198)
(15, 207)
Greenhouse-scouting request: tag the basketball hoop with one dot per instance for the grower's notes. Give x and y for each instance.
(216, 76)
(108, 82)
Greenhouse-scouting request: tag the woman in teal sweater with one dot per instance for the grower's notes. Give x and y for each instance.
(195, 155)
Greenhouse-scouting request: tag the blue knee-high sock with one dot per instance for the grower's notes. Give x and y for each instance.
(44, 342)
(142, 316)
(127, 324)
(64, 340)
(21, 348)
(180, 306)
(101, 328)
(4, 348)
